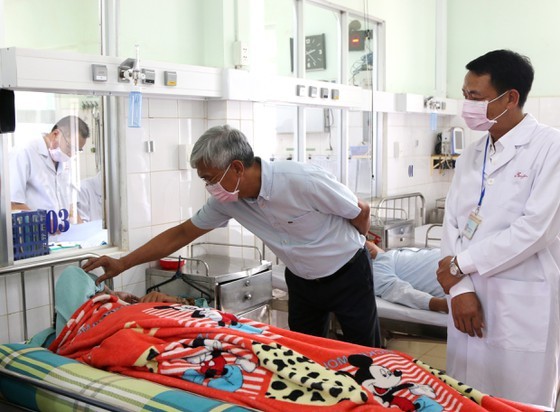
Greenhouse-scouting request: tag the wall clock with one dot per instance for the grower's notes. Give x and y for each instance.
(315, 58)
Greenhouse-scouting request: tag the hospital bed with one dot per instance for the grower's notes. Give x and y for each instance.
(400, 319)
(396, 221)
(32, 378)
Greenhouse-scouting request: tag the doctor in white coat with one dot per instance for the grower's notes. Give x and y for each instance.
(501, 244)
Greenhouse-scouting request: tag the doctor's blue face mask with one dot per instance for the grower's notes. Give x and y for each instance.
(475, 114)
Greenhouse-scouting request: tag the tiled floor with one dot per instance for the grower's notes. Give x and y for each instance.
(431, 352)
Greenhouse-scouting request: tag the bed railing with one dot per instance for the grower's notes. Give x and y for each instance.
(433, 235)
(24, 267)
(408, 206)
(49, 387)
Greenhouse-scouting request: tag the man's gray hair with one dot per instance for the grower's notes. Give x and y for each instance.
(221, 145)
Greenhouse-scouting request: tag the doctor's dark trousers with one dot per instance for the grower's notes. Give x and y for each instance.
(348, 293)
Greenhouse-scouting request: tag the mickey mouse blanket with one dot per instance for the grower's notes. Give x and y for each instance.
(219, 356)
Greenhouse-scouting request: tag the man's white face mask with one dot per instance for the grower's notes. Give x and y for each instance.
(221, 194)
(58, 155)
(475, 114)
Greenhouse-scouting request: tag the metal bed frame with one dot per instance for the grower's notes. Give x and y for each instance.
(408, 206)
(393, 219)
(22, 269)
(51, 264)
(432, 237)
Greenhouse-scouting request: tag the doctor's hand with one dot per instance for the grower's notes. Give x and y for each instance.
(444, 276)
(112, 267)
(467, 314)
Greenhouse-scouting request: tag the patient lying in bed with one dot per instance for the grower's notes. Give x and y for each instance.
(217, 355)
(408, 276)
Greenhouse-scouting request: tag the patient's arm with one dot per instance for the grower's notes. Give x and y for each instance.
(163, 297)
(373, 249)
(439, 305)
(392, 288)
(399, 291)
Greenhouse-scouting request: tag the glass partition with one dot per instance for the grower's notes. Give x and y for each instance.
(175, 31)
(322, 42)
(279, 31)
(52, 24)
(278, 128)
(323, 134)
(361, 154)
(56, 171)
(362, 52)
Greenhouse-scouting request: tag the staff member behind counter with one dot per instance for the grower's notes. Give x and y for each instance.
(39, 174)
(313, 223)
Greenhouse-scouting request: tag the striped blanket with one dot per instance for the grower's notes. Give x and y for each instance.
(251, 364)
(118, 391)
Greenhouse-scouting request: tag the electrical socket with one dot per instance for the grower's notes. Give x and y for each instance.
(240, 53)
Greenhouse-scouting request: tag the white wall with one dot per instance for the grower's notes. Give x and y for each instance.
(478, 26)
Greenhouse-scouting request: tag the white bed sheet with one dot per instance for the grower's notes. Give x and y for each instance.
(394, 311)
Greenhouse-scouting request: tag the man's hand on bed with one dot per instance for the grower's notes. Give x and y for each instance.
(112, 267)
(444, 276)
(467, 314)
(438, 305)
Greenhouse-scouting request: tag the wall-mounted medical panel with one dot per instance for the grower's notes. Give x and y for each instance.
(243, 85)
(417, 103)
(67, 72)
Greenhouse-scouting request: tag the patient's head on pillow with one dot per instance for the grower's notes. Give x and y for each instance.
(72, 289)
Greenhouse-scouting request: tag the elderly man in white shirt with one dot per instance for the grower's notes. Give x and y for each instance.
(311, 222)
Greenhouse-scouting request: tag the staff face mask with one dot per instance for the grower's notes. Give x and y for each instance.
(58, 155)
(475, 114)
(221, 194)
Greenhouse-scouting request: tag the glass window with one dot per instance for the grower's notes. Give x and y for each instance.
(176, 31)
(361, 154)
(55, 166)
(278, 126)
(323, 134)
(52, 24)
(322, 42)
(279, 33)
(362, 52)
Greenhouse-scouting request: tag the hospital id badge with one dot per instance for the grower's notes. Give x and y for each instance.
(472, 225)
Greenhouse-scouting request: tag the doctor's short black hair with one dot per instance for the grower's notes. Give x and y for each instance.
(69, 124)
(508, 70)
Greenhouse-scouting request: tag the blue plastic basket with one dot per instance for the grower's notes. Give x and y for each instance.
(30, 236)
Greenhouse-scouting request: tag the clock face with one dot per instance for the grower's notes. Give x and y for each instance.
(315, 58)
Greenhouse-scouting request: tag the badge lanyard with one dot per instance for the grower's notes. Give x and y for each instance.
(475, 220)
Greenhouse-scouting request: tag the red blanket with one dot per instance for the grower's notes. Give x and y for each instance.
(252, 364)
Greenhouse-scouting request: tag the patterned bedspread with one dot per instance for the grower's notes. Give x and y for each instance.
(251, 364)
(118, 391)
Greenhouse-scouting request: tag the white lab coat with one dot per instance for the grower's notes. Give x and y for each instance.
(90, 198)
(513, 260)
(35, 181)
